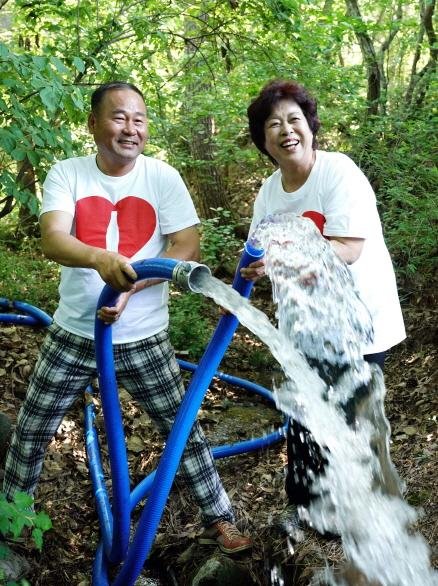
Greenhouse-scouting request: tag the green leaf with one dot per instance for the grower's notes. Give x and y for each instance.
(97, 65)
(33, 158)
(79, 64)
(37, 536)
(39, 61)
(23, 500)
(17, 525)
(43, 521)
(7, 141)
(18, 154)
(49, 98)
(77, 98)
(4, 51)
(59, 65)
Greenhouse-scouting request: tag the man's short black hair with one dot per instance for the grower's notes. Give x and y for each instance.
(98, 94)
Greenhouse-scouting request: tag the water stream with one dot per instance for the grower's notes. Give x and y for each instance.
(318, 341)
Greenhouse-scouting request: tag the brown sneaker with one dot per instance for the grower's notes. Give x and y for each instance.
(226, 536)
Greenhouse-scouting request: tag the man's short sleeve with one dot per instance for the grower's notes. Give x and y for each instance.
(57, 195)
(176, 210)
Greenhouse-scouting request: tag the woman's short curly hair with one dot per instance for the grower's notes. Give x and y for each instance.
(261, 107)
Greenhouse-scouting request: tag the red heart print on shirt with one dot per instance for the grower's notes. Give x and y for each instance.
(317, 218)
(136, 221)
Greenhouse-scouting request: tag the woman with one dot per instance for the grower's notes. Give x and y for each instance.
(331, 190)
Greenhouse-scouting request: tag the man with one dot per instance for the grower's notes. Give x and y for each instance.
(99, 214)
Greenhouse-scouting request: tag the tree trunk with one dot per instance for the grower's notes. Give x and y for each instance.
(208, 187)
(27, 221)
(205, 176)
(374, 74)
(419, 82)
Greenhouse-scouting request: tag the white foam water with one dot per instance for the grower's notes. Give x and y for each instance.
(322, 329)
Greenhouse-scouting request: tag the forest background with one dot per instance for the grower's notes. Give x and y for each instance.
(371, 64)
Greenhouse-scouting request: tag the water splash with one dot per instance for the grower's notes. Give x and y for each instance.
(322, 329)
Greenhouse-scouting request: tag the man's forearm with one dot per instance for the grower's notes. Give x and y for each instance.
(67, 250)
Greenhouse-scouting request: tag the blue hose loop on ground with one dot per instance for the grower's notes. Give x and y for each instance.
(232, 380)
(143, 488)
(252, 444)
(32, 315)
(100, 570)
(95, 466)
(19, 320)
(116, 541)
(175, 444)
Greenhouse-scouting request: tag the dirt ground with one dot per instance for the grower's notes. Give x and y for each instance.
(253, 481)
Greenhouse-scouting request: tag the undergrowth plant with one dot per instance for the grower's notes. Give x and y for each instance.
(25, 275)
(396, 155)
(15, 516)
(189, 327)
(218, 240)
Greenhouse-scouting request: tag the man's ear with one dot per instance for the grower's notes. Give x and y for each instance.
(91, 121)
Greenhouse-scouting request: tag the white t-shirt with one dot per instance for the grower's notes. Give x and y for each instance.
(339, 199)
(131, 215)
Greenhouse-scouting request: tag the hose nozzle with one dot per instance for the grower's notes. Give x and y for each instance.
(186, 274)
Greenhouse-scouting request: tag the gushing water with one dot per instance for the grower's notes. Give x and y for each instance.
(322, 329)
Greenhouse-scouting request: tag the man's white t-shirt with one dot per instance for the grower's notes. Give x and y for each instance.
(131, 215)
(339, 199)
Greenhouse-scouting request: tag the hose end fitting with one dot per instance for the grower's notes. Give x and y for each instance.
(186, 273)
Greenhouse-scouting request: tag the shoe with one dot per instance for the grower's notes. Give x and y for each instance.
(289, 524)
(226, 536)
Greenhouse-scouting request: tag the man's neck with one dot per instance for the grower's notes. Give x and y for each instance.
(114, 169)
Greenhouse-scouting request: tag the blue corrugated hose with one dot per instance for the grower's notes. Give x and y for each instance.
(115, 524)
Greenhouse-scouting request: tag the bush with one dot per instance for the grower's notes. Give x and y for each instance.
(14, 517)
(189, 327)
(218, 240)
(396, 155)
(25, 275)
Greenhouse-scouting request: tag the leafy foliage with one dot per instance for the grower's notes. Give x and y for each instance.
(204, 59)
(189, 329)
(396, 154)
(33, 93)
(218, 241)
(16, 515)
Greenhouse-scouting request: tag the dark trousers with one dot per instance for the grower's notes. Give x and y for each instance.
(303, 453)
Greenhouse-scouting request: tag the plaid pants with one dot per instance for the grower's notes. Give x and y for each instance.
(148, 371)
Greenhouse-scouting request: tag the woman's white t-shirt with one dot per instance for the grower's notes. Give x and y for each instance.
(339, 199)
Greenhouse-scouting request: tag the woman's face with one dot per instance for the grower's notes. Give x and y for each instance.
(288, 138)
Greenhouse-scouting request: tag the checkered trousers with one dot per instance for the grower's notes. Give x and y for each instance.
(148, 371)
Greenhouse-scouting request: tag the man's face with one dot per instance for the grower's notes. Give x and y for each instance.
(119, 128)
